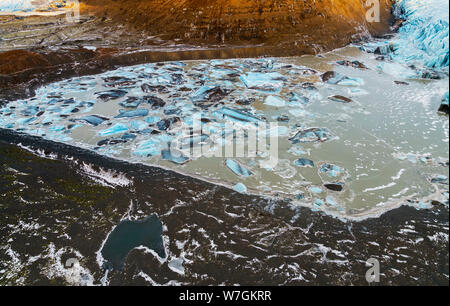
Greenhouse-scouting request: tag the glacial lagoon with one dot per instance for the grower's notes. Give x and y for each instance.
(381, 143)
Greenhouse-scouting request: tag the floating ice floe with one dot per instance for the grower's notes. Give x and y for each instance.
(237, 168)
(267, 82)
(239, 187)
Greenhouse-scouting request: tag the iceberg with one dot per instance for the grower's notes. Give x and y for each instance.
(268, 82)
(331, 170)
(311, 135)
(115, 129)
(275, 101)
(303, 162)
(315, 189)
(141, 112)
(177, 158)
(154, 146)
(237, 168)
(241, 188)
(94, 120)
(237, 115)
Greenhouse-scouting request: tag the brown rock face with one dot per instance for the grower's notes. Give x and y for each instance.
(309, 25)
(13, 61)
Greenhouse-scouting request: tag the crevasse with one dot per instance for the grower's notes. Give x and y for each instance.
(16, 5)
(423, 39)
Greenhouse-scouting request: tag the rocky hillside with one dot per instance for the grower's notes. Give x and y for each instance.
(308, 25)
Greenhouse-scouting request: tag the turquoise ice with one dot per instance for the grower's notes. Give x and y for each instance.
(16, 5)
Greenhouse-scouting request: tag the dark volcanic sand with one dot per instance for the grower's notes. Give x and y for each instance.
(228, 238)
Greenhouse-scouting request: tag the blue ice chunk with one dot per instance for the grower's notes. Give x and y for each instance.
(422, 205)
(330, 169)
(318, 203)
(166, 124)
(439, 179)
(315, 189)
(94, 119)
(311, 135)
(239, 187)
(268, 82)
(30, 111)
(332, 77)
(131, 102)
(275, 101)
(191, 141)
(68, 110)
(237, 115)
(304, 162)
(153, 147)
(445, 98)
(176, 157)
(210, 93)
(128, 136)
(300, 196)
(140, 112)
(330, 201)
(55, 109)
(111, 94)
(138, 125)
(297, 150)
(172, 110)
(237, 168)
(152, 119)
(296, 97)
(115, 129)
(335, 78)
(57, 128)
(25, 121)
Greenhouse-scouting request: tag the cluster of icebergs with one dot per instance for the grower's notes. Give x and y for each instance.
(158, 113)
(341, 134)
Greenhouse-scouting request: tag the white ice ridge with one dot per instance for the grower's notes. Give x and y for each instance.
(16, 5)
(424, 37)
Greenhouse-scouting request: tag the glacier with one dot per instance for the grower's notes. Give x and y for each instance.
(423, 39)
(16, 5)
